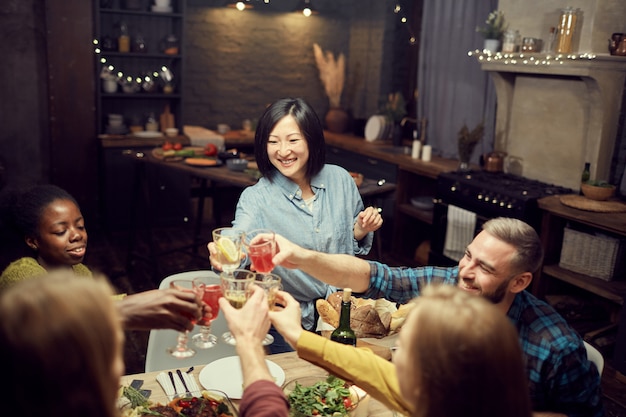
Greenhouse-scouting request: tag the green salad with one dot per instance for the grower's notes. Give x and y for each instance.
(329, 397)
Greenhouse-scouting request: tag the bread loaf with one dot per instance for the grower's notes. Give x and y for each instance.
(366, 322)
(327, 312)
(368, 318)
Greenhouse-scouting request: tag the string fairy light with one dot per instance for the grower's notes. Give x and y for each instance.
(521, 58)
(399, 10)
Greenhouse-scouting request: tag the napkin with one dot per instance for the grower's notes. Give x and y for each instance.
(178, 389)
(164, 380)
(459, 231)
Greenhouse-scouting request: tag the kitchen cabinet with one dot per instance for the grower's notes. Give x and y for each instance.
(555, 217)
(170, 191)
(155, 42)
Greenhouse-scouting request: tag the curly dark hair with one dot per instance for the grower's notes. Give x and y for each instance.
(20, 213)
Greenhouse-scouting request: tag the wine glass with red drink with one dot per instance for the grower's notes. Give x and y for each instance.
(260, 245)
(181, 350)
(211, 291)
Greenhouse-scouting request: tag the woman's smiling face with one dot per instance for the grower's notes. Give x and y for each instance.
(288, 150)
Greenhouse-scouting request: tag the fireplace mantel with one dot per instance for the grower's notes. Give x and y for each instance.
(556, 113)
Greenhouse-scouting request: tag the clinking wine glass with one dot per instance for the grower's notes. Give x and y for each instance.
(211, 291)
(228, 243)
(271, 284)
(236, 289)
(260, 246)
(181, 350)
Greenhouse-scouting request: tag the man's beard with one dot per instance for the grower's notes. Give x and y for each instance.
(498, 294)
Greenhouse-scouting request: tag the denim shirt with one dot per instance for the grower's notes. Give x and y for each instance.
(329, 227)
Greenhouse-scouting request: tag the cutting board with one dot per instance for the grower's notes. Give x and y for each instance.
(167, 119)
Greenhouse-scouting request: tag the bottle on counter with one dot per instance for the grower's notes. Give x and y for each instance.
(344, 333)
(586, 173)
(585, 176)
(417, 145)
(123, 41)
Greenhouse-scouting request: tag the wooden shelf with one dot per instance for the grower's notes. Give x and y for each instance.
(611, 290)
(425, 216)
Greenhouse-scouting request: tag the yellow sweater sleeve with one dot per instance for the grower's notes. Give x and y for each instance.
(363, 367)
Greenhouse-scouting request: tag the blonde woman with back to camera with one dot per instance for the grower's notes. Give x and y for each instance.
(61, 346)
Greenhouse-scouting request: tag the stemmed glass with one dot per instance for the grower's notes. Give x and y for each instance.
(211, 292)
(181, 350)
(271, 284)
(235, 288)
(262, 250)
(228, 243)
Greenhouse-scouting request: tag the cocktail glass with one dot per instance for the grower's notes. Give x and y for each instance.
(211, 292)
(236, 289)
(181, 350)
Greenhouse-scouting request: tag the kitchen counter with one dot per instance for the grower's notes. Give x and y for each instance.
(397, 155)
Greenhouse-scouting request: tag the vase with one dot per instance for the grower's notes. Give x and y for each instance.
(336, 120)
(491, 45)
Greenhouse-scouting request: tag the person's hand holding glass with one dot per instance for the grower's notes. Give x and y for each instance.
(236, 290)
(260, 246)
(271, 284)
(181, 350)
(210, 292)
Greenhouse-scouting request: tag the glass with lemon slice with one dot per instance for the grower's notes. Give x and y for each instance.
(228, 243)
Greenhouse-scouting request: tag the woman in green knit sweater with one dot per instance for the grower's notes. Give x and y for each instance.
(49, 221)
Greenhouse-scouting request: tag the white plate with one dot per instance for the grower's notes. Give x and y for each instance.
(373, 128)
(148, 134)
(225, 375)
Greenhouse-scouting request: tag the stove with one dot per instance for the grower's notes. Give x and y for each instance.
(493, 194)
(489, 195)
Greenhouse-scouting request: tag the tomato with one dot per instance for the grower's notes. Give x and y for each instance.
(347, 402)
(167, 146)
(184, 403)
(178, 146)
(210, 149)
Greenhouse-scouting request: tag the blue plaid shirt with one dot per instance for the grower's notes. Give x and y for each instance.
(561, 379)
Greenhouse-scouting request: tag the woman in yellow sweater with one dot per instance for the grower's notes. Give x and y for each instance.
(49, 221)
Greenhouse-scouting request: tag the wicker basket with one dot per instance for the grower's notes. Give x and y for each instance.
(594, 255)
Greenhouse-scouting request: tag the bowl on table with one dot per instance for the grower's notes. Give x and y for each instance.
(358, 398)
(598, 192)
(237, 164)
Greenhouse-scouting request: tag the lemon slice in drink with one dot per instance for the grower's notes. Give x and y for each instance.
(228, 249)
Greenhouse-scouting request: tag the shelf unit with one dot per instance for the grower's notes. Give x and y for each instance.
(154, 27)
(556, 217)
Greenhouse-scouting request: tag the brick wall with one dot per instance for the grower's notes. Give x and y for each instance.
(238, 62)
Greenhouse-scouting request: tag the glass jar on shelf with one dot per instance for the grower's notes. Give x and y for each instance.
(566, 30)
(170, 45)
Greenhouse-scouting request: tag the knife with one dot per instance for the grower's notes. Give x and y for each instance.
(180, 375)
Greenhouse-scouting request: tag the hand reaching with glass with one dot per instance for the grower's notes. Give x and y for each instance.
(250, 323)
(271, 284)
(225, 250)
(211, 291)
(260, 246)
(235, 290)
(181, 350)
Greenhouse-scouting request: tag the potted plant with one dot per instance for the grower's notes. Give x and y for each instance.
(394, 108)
(496, 26)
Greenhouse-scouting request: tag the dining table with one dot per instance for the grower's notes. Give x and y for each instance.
(290, 363)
